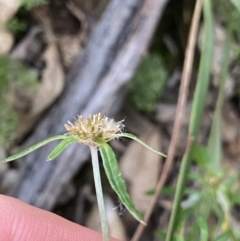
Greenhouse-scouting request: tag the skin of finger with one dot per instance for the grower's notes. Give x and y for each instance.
(22, 222)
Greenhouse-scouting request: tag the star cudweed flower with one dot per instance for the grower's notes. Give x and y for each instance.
(95, 131)
(94, 128)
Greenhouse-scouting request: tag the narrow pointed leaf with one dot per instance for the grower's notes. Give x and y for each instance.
(236, 3)
(33, 148)
(215, 140)
(116, 181)
(131, 136)
(223, 237)
(61, 147)
(179, 238)
(203, 229)
(201, 155)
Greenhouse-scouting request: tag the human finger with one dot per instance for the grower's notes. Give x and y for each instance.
(22, 222)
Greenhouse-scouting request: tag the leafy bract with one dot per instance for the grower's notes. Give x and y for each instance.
(116, 181)
(33, 148)
(131, 136)
(61, 147)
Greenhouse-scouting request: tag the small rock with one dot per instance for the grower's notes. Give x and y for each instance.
(8, 9)
(6, 41)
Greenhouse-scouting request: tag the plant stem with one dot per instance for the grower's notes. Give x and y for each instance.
(182, 98)
(196, 115)
(179, 190)
(99, 193)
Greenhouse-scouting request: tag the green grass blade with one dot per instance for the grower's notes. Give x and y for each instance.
(179, 238)
(204, 70)
(33, 148)
(197, 110)
(203, 229)
(223, 237)
(61, 147)
(236, 3)
(214, 142)
(131, 136)
(116, 181)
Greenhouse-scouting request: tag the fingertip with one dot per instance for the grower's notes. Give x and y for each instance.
(23, 222)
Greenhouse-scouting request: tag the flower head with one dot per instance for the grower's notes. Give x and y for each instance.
(95, 128)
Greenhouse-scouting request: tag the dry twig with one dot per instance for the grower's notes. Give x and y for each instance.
(187, 71)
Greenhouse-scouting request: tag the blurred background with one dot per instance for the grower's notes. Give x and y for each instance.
(60, 59)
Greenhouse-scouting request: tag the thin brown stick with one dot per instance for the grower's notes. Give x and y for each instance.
(187, 71)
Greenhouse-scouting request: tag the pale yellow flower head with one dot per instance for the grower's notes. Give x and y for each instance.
(95, 128)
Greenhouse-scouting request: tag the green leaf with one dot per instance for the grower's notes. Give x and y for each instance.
(193, 200)
(32, 3)
(214, 142)
(203, 229)
(198, 177)
(223, 201)
(236, 3)
(33, 148)
(61, 147)
(179, 238)
(150, 192)
(223, 237)
(204, 71)
(116, 181)
(165, 191)
(198, 104)
(160, 234)
(201, 155)
(131, 136)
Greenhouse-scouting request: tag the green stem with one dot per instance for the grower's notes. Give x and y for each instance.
(178, 195)
(214, 141)
(196, 115)
(99, 193)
